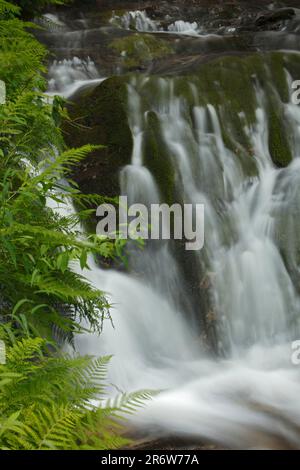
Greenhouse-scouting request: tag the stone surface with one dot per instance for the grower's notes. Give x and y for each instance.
(98, 117)
(234, 27)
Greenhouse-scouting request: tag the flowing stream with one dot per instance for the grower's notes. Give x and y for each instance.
(247, 394)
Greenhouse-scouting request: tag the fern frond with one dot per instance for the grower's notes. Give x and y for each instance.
(129, 403)
(7, 9)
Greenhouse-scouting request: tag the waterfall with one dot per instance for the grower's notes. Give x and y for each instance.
(254, 390)
(140, 21)
(247, 394)
(184, 27)
(67, 76)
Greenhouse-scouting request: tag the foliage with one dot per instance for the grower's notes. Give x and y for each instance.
(45, 401)
(38, 245)
(141, 49)
(45, 397)
(30, 8)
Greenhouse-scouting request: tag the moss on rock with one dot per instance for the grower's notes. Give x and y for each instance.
(157, 158)
(139, 49)
(230, 84)
(99, 116)
(279, 146)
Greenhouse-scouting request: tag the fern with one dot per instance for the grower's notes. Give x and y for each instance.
(8, 10)
(30, 8)
(46, 401)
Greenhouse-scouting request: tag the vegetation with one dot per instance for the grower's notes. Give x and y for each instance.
(45, 401)
(45, 396)
(31, 8)
(140, 49)
(230, 84)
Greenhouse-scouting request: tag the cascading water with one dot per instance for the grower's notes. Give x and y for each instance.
(254, 391)
(247, 394)
(184, 28)
(69, 75)
(140, 21)
(137, 20)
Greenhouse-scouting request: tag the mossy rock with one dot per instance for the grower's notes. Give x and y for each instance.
(140, 49)
(279, 145)
(107, 15)
(158, 160)
(230, 84)
(99, 117)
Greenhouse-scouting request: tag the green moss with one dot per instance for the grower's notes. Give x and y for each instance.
(101, 115)
(228, 81)
(292, 64)
(139, 49)
(278, 77)
(278, 141)
(157, 159)
(231, 80)
(107, 15)
(230, 84)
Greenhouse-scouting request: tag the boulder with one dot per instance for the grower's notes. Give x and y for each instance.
(274, 17)
(99, 117)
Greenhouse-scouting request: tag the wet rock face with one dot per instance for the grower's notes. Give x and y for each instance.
(225, 56)
(277, 17)
(98, 117)
(115, 34)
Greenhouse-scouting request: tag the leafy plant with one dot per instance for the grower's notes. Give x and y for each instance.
(46, 401)
(32, 8)
(38, 245)
(46, 398)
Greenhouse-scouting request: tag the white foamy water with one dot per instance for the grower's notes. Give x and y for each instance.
(69, 75)
(51, 23)
(184, 27)
(140, 21)
(137, 20)
(250, 397)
